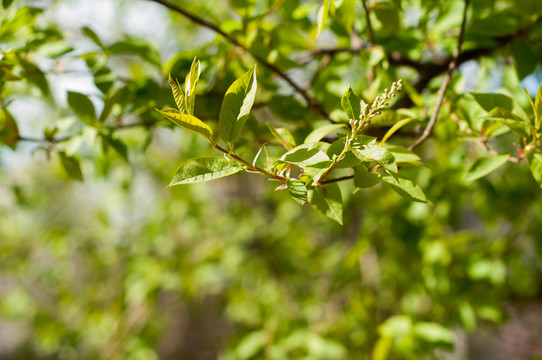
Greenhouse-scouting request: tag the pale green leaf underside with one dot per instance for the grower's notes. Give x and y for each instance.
(406, 188)
(484, 166)
(188, 122)
(236, 105)
(297, 190)
(205, 169)
(305, 154)
(328, 201)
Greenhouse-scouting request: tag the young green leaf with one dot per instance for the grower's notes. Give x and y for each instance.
(188, 122)
(406, 188)
(381, 155)
(512, 121)
(483, 166)
(297, 190)
(305, 154)
(71, 166)
(82, 107)
(236, 106)
(178, 94)
(318, 133)
(351, 104)
(538, 108)
(283, 136)
(205, 169)
(535, 164)
(322, 15)
(404, 156)
(190, 84)
(328, 201)
(363, 178)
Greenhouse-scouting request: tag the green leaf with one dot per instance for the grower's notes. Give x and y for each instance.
(363, 178)
(82, 107)
(251, 344)
(6, 3)
(104, 79)
(396, 127)
(349, 160)
(404, 156)
(283, 136)
(89, 33)
(524, 58)
(205, 169)
(351, 104)
(7, 75)
(136, 46)
(236, 105)
(483, 166)
(305, 154)
(538, 108)
(117, 145)
(9, 131)
(178, 94)
(362, 140)
(381, 155)
(434, 333)
(71, 166)
(345, 14)
(190, 83)
(406, 188)
(297, 190)
(188, 122)
(490, 101)
(109, 102)
(535, 164)
(512, 121)
(317, 134)
(328, 201)
(323, 12)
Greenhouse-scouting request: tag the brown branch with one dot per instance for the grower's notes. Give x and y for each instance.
(312, 102)
(369, 25)
(445, 83)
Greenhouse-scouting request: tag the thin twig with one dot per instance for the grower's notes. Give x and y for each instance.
(445, 83)
(312, 102)
(369, 25)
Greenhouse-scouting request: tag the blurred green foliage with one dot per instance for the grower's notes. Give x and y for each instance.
(99, 260)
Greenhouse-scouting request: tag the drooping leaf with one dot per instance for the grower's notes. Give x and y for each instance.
(297, 190)
(190, 83)
(305, 154)
(136, 46)
(406, 188)
(82, 107)
(483, 166)
(283, 136)
(89, 33)
(320, 132)
(188, 122)
(524, 58)
(178, 94)
(236, 105)
(328, 201)
(6, 3)
(363, 178)
(535, 164)
(205, 169)
(71, 166)
(9, 131)
(351, 104)
(381, 155)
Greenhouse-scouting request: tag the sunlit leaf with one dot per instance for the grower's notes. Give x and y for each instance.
(320, 132)
(236, 105)
(71, 166)
(82, 106)
(205, 169)
(351, 104)
(381, 155)
(188, 122)
(178, 94)
(297, 190)
(406, 188)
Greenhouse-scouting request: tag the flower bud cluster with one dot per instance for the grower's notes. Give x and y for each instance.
(380, 102)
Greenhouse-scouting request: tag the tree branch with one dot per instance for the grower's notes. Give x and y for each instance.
(312, 102)
(445, 83)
